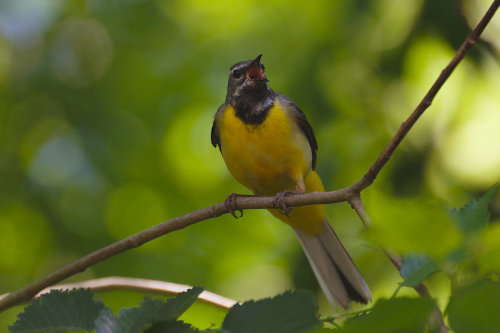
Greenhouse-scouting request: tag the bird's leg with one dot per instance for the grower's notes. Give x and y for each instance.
(300, 187)
(231, 206)
(279, 199)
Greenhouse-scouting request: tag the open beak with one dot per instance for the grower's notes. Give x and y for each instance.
(255, 71)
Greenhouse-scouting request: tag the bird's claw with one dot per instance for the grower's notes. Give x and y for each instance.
(231, 206)
(279, 201)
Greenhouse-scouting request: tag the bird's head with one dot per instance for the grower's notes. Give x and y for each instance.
(247, 78)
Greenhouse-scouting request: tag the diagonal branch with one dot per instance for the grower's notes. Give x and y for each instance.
(180, 222)
(147, 235)
(469, 42)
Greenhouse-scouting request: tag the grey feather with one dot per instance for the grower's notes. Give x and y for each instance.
(335, 271)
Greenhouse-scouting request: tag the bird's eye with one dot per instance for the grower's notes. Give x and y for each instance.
(236, 74)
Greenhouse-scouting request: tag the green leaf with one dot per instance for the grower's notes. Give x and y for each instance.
(107, 322)
(171, 327)
(149, 312)
(475, 308)
(395, 315)
(473, 217)
(289, 312)
(57, 311)
(416, 268)
(458, 255)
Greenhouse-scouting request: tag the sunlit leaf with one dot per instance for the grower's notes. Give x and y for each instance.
(289, 312)
(59, 311)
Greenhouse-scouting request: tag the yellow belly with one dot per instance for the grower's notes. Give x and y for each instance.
(308, 219)
(267, 158)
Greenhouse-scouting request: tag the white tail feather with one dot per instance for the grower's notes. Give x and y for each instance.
(335, 271)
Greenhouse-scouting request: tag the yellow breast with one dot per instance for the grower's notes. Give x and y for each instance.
(268, 157)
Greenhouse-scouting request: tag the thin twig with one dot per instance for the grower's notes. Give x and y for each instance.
(174, 224)
(144, 285)
(421, 289)
(358, 207)
(180, 222)
(394, 258)
(469, 42)
(437, 315)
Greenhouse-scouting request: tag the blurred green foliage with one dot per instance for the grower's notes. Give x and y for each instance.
(77, 310)
(105, 115)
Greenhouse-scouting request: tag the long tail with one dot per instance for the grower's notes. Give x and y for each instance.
(335, 271)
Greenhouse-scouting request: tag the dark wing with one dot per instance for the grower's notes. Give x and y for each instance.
(215, 131)
(304, 125)
(214, 135)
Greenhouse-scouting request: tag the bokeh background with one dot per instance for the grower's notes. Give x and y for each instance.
(105, 115)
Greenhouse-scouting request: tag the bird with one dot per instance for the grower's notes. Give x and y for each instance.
(268, 145)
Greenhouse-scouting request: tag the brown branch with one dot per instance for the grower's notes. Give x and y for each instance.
(436, 319)
(180, 222)
(469, 42)
(144, 285)
(174, 224)
(394, 258)
(405, 127)
(358, 207)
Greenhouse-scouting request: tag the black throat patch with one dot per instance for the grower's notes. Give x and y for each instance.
(253, 108)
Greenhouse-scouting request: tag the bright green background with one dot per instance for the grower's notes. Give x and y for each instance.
(105, 116)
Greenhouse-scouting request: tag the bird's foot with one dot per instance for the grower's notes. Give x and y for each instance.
(279, 201)
(231, 206)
